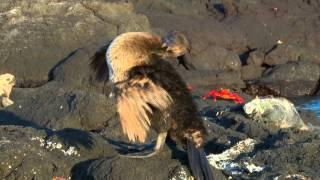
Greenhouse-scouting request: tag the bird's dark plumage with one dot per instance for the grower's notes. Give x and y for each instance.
(151, 94)
(98, 64)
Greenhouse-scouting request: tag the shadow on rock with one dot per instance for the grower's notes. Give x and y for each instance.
(127, 148)
(74, 137)
(61, 62)
(124, 168)
(9, 118)
(117, 167)
(80, 170)
(70, 137)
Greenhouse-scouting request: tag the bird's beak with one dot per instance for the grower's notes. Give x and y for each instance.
(184, 60)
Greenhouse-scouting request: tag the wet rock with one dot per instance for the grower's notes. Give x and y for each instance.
(309, 117)
(37, 35)
(43, 153)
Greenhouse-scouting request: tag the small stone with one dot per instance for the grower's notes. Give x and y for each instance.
(279, 42)
(59, 146)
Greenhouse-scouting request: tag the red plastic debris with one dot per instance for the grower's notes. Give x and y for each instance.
(190, 88)
(275, 9)
(224, 94)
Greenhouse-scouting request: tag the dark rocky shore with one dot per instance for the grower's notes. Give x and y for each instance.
(63, 125)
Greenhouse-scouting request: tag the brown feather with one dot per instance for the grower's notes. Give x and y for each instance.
(134, 106)
(132, 49)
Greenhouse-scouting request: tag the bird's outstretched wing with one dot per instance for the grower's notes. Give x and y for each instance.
(136, 99)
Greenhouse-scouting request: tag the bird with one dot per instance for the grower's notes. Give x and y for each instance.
(150, 93)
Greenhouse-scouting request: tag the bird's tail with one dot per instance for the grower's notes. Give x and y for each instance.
(98, 64)
(198, 162)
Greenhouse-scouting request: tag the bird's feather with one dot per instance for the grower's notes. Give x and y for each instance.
(135, 103)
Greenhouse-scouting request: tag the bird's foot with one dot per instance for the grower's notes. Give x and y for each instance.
(149, 152)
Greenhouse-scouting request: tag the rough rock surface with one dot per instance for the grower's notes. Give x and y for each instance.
(61, 109)
(251, 72)
(292, 79)
(40, 34)
(286, 53)
(29, 152)
(57, 108)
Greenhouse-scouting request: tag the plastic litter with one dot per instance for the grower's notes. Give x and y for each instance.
(189, 86)
(275, 10)
(276, 112)
(7, 81)
(59, 178)
(227, 160)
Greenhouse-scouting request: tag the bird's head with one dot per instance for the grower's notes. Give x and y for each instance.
(177, 46)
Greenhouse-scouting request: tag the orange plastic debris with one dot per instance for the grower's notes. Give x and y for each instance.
(58, 178)
(224, 94)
